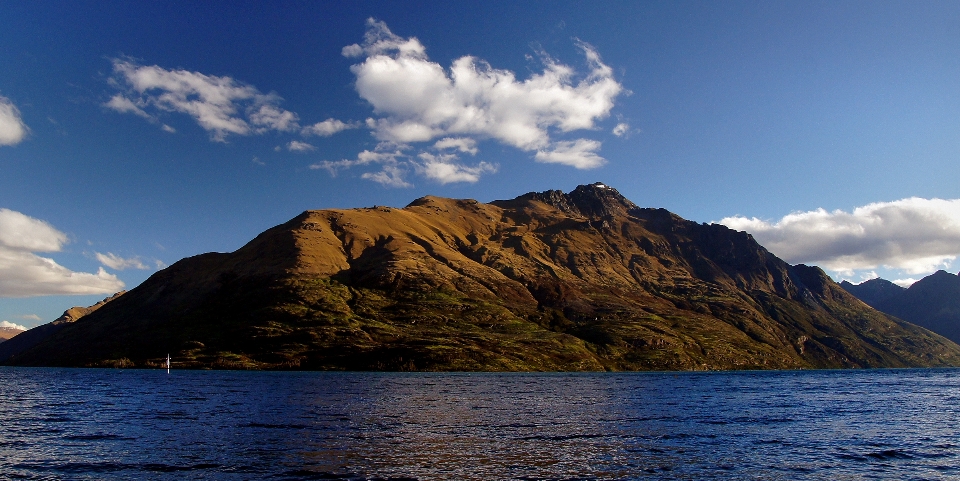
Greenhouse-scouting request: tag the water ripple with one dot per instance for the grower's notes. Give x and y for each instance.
(114, 424)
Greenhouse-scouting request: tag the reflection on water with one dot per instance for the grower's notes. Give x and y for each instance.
(116, 424)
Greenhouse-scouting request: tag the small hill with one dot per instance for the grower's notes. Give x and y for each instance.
(584, 280)
(932, 302)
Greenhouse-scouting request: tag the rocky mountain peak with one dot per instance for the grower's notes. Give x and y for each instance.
(593, 200)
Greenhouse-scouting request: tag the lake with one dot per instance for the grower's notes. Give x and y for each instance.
(147, 424)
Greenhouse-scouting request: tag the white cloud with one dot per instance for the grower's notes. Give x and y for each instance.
(914, 235)
(385, 153)
(327, 128)
(30, 317)
(221, 105)
(352, 51)
(19, 232)
(121, 104)
(621, 129)
(580, 154)
(389, 176)
(905, 282)
(118, 263)
(396, 163)
(465, 145)
(25, 274)
(167, 128)
(445, 170)
(10, 325)
(12, 128)
(297, 146)
(270, 117)
(417, 100)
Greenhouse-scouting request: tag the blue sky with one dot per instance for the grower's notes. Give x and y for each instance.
(133, 134)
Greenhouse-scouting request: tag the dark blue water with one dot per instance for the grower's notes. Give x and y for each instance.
(141, 424)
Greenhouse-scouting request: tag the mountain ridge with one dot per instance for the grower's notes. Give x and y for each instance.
(584, 280)
(932, 302)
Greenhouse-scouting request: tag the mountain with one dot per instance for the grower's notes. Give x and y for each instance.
(30, 338)
(932, 302)
(584, 280)
(874, 291)
(7, 333)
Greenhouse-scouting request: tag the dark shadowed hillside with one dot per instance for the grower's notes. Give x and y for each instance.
(874, 291)
(584, 280)
(34, 336)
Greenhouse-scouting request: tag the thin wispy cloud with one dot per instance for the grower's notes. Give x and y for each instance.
(581, 153)
(389, 176)
(914, 235)
(23, 273)
(445, 169)
(465, 145)
(328, 127)
(297, 146)
(221, 105)
(12, 128)
(416, 100)
(118, 263)
(621, 129)
(397, 163)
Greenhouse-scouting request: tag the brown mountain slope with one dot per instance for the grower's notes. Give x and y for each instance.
(7, 333)
(547, 281)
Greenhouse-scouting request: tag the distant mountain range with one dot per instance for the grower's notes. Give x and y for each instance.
(6, 333)
(932, 302)
(584, 280)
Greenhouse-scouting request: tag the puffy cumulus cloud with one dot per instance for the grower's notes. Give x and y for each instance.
(12, 128)
(417, 100)
(25, 274)
(10, 325)
(914, 235)
(328, 127)
(118, 263)
(297, 146)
